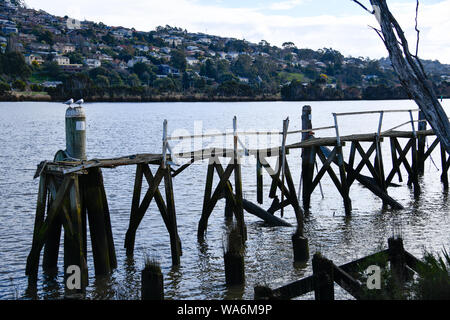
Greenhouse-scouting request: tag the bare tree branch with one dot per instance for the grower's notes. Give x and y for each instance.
(410, 70)
(363, 6)
(417, 30)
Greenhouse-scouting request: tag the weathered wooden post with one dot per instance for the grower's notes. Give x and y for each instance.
(228, 204)
(397, 258)
(300, 247)
(421, 143)
(76, 132)
(308, 159)
(234, 258)
(99, 226)
(323, 277)
(238, 184)
(444, 175)
(74, 255)
(259, 180)
(51, 249)
(342, 171)
(414, 167)
(152, 281)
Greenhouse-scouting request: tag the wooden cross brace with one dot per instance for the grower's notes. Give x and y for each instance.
(223, 188)
(166, 208)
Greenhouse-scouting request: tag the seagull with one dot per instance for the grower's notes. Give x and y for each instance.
(69, 102)
(79, 102)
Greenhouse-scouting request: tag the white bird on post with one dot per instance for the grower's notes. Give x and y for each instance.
(79, 102)
(69, 102)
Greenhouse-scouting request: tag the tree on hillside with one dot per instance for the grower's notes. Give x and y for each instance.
(178, 60)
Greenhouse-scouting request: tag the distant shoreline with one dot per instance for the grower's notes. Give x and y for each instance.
(175, 98)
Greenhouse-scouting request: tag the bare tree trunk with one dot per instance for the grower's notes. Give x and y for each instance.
(410, 71)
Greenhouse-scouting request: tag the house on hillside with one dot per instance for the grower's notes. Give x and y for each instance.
(31, 59)
(61, 60)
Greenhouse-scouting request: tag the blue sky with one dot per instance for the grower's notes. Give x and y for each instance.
(340, 24)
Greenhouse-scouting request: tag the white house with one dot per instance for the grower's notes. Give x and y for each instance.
(92, 63)
(61, 60)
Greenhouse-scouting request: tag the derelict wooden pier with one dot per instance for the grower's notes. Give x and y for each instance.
(72, 194)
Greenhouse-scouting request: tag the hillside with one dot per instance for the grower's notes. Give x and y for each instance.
(57, 57)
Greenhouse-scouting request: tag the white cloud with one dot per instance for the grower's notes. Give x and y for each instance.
(285, 5)
(349, 34)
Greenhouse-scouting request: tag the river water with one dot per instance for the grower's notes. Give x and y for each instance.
(32, 132)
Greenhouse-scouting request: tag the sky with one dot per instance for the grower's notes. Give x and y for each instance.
(314, 24)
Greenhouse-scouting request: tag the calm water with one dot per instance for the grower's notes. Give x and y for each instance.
(32, 132)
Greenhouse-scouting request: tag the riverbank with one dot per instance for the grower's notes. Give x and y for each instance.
(45, 97)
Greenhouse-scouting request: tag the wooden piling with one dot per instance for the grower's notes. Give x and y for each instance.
(259, 180)
(421, 140)
(300, 247)
(444, 164)
(308, 160)
(152, 282)
(234, 258)
(131, 236)
(74, 243)
(323, 270)
(33, 257)
(51, 248)
(93, 194)
(239, 209)
(228, 203)
(175, 243)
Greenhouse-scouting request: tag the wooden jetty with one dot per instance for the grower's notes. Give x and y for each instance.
(72, 194)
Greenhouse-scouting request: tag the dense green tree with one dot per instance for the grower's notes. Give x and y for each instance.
(4, 87)
(178, 60)
(19, 85)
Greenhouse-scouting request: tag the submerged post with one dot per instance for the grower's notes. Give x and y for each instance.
(234, 259)
(152, 282)
(76, 133)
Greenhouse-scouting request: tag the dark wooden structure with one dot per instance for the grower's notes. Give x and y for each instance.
(326, 274)
(72, 195)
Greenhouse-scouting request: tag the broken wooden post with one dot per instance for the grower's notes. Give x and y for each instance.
(300, 247)
(421, 144)
(234, 258)
(308, 159)
(152, 281)
(323, 270)
(397, 258)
